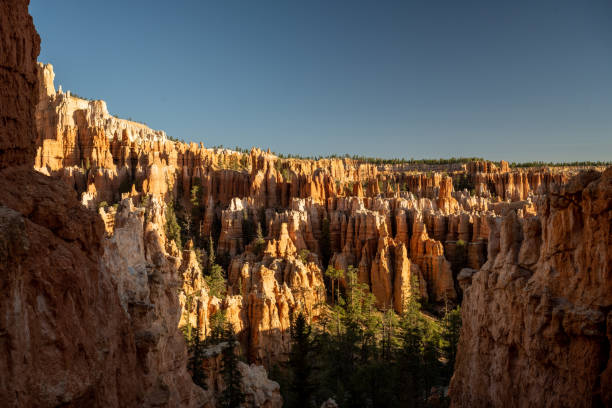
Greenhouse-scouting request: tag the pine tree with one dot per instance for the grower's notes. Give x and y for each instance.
(388, 338)
(211, 255)
(232, 395)
(361, 303)
(410, 355)
(196, 359)
(173, 230)
(450, 335)
(218, 327)
(432, 368)
(216, 282)
(248, 228)
(260, 242)
(334, 275)
(196, 194)
(300, 363)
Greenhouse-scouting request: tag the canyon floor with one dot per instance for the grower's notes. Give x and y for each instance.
(125, 254)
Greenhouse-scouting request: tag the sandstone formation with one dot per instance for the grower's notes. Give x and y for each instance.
(405, 228)
(259, 391)
(87, 320)
(97, 290)
(537, 315)
(20, 47)
(71, 336)
(343, 211)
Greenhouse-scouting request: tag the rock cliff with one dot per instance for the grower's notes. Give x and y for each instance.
(537, 315)
(88, 318)
(18, 73)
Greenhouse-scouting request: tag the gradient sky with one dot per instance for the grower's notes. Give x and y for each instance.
(518, 81)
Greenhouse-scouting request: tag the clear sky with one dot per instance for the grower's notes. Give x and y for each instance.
(519, 81)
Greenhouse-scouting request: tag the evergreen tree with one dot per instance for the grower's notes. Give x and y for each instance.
(218, 327)
(388, 338)
(232, 396)
(213, 274)
(216, 282)
(260, 242)
(365, 357)
(196, 358)
(432, 368)
(410, 361)
(173, 230)
(193, 220)
(334, 275)
(300, 363)
(211, 256)
(450, 336)
(248, 228)
(410, 355)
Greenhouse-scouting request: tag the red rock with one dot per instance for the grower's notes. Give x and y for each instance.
(534, 315)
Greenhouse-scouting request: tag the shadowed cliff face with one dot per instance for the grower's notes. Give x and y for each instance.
(68, 335)
(20, 46)
(537, 318)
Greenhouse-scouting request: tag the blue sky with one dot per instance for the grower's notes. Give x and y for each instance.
(518, 81)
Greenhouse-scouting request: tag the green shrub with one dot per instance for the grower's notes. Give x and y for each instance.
(173, 230)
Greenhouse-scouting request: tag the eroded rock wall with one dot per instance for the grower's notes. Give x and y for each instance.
(69, 334)
(537, 316)
(20, 45)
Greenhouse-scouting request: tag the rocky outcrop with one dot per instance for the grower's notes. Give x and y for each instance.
(94, 299)
(271, 291)
(148, 279)
(66, 338)
(429, 255)
(259, 391)
(86, 320)
(20, 47)
(537, 315)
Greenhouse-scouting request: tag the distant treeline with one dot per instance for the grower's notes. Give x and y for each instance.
(175, 139)
(403, 161)
(382, 161)
(562, 164)
(132, 120)
(76, 95)
(363, 159)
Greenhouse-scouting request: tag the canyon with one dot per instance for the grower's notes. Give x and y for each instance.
(96, 290)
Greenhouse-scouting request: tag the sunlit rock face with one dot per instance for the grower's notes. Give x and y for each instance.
(537, 315)
(398, 225)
